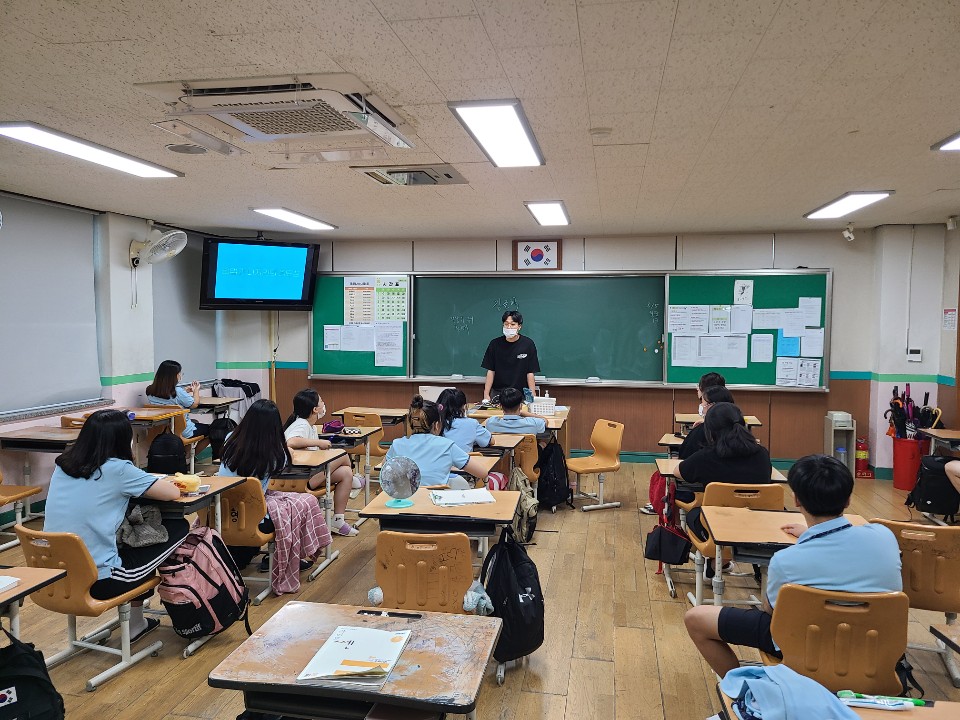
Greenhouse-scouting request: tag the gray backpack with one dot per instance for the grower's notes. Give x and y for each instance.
(525, 518)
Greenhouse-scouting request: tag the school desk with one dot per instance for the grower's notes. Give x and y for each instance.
(557, 424)
(40, 439)
(671, 442)
(216, 406)
(949, 440)
(388, 416)
(186, 504)
(319, 460)
(502, 444)
(487, 462)
(688, 420)
(344, 441)
(753, 535)
(439, 671)
(949, 635)
(940, 710)
(668, 468)
(145, 418)
(31, 580)
(476, 521)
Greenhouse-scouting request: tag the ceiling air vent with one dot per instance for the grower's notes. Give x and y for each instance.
(414, 175)
(280, 108)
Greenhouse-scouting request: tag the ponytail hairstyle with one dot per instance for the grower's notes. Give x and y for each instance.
(303, 404)
(106, 434)
(451, 404)
(727, 431)
(423, 415)
(164, 383)
(257, 447)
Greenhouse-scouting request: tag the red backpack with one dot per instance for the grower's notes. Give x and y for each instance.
(201, 587)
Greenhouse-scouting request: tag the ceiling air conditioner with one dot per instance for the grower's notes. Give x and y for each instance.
(332, 106)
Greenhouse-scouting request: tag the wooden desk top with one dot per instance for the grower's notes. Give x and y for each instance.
(141, 415)
(441, 667)
(42, 432)
(743, 526)
(206, 401)
(500, 511)
(950, 634)
(504, 441)
(217, 484)
(31, 580)
(941, 434)
(670, 440)
(941, 710)
(393, 413)
(316, 458)
(668, 467)
(691, 418)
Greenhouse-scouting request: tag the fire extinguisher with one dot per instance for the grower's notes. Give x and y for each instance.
(863, 459)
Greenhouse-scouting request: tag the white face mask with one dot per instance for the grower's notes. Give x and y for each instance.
(700, 410)
(510, 332)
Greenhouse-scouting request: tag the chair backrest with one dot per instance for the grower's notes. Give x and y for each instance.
(71, 422)
(355, 419)
(241, 510)
(61, 551)
(526, 455)
(930, 560)
(606, 439)
(768, 496)
(844, 641)
(424, 572)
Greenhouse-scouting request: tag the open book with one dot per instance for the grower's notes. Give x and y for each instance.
(355, 655)
(452, 498)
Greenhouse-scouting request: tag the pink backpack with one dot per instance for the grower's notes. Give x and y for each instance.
(201, 587)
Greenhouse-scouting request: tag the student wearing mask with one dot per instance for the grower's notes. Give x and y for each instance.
(433, 454)
(465, 432)
(510, 361)
(164, 390)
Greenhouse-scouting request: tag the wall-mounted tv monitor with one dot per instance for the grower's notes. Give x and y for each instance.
(257, 275)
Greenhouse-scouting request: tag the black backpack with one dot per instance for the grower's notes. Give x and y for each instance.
(553, 487)
(219, 429)
(167, 454)
(513, 584)
(934, 493)
(25, 687)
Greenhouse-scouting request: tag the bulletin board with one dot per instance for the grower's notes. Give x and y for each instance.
(768, 329)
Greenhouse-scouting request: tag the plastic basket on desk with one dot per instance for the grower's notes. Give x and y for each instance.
(544, 406)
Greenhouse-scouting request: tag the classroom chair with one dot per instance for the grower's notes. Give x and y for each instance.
(241, 510)
(756, 497)
(844, 641)
(297, 482)
(606, 439)
(189, 444)
(71, 597)
(526, 455)
(15, 494)
(358, 455)
(930, 562)
(424, 572)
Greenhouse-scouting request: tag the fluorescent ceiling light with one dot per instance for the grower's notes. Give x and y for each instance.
(34, 134)
(551, 212)
(295, 218)
(199, 137)
(847, 203)
(501, 130)
(950, 143)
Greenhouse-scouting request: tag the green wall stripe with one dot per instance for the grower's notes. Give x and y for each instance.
(849, 375)
(256, 365)
(290, 365)
(903, 377)
(946, 380)
(125, 379)
(891, 377)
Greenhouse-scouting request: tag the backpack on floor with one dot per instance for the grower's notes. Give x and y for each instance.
(219, 429)
(201, 587)
(26, 690)
(553, 487)
(934, 493)
(525, 516)
(167, 454)
(513, 584)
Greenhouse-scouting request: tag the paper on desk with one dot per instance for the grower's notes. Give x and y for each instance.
(453, 498)
(356, 655)
(8, 582)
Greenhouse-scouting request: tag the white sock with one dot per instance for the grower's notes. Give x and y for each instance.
(137, 621)
(339, 519)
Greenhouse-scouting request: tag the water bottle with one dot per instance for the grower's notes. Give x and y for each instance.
(841, 455)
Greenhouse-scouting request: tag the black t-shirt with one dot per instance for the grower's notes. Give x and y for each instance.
(695, 440)
(705, 466)
(511, 361)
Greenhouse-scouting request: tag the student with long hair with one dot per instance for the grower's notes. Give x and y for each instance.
(257, 448)
(696, 439)
(732, 455)
(433, 454)
(465, 432)
(164, 390)
(300, 434)
(90, 491)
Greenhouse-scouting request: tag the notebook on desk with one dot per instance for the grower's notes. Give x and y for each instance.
(355, 656)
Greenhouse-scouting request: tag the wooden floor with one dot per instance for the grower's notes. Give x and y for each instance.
(616, 647)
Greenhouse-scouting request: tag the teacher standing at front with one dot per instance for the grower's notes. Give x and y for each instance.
(511, 360)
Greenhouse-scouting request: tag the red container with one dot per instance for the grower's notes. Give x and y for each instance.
(906, 461)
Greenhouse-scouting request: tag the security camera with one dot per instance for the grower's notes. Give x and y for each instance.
(848, 233)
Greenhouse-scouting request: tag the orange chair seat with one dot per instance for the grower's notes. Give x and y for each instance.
(591, 464)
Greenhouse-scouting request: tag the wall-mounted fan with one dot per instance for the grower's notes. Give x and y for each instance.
(158, 247)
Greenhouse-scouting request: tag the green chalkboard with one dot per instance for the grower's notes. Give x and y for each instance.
(609, 327)
(328, 310)
(770, 291)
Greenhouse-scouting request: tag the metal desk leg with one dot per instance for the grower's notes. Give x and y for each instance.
(329, 553)
(718, 578)
(217, 515)
(366, 484)
(12, 611)
(27, 480)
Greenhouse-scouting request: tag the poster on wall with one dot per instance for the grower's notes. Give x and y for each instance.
(359, 304)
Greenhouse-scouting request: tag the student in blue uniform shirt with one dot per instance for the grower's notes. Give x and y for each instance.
(515, 419)
(433, 454)
(465, 432)
(164, 390)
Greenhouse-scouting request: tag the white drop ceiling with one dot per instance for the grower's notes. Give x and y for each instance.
(725, 115)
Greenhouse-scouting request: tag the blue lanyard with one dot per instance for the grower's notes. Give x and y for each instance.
(831, 531)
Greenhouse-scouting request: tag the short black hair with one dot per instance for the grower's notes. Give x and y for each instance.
(717, 394)
(709, 379)
(510, 398)
(515, 314)
(823, 485)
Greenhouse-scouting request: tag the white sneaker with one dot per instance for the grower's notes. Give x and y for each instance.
(358, 482)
